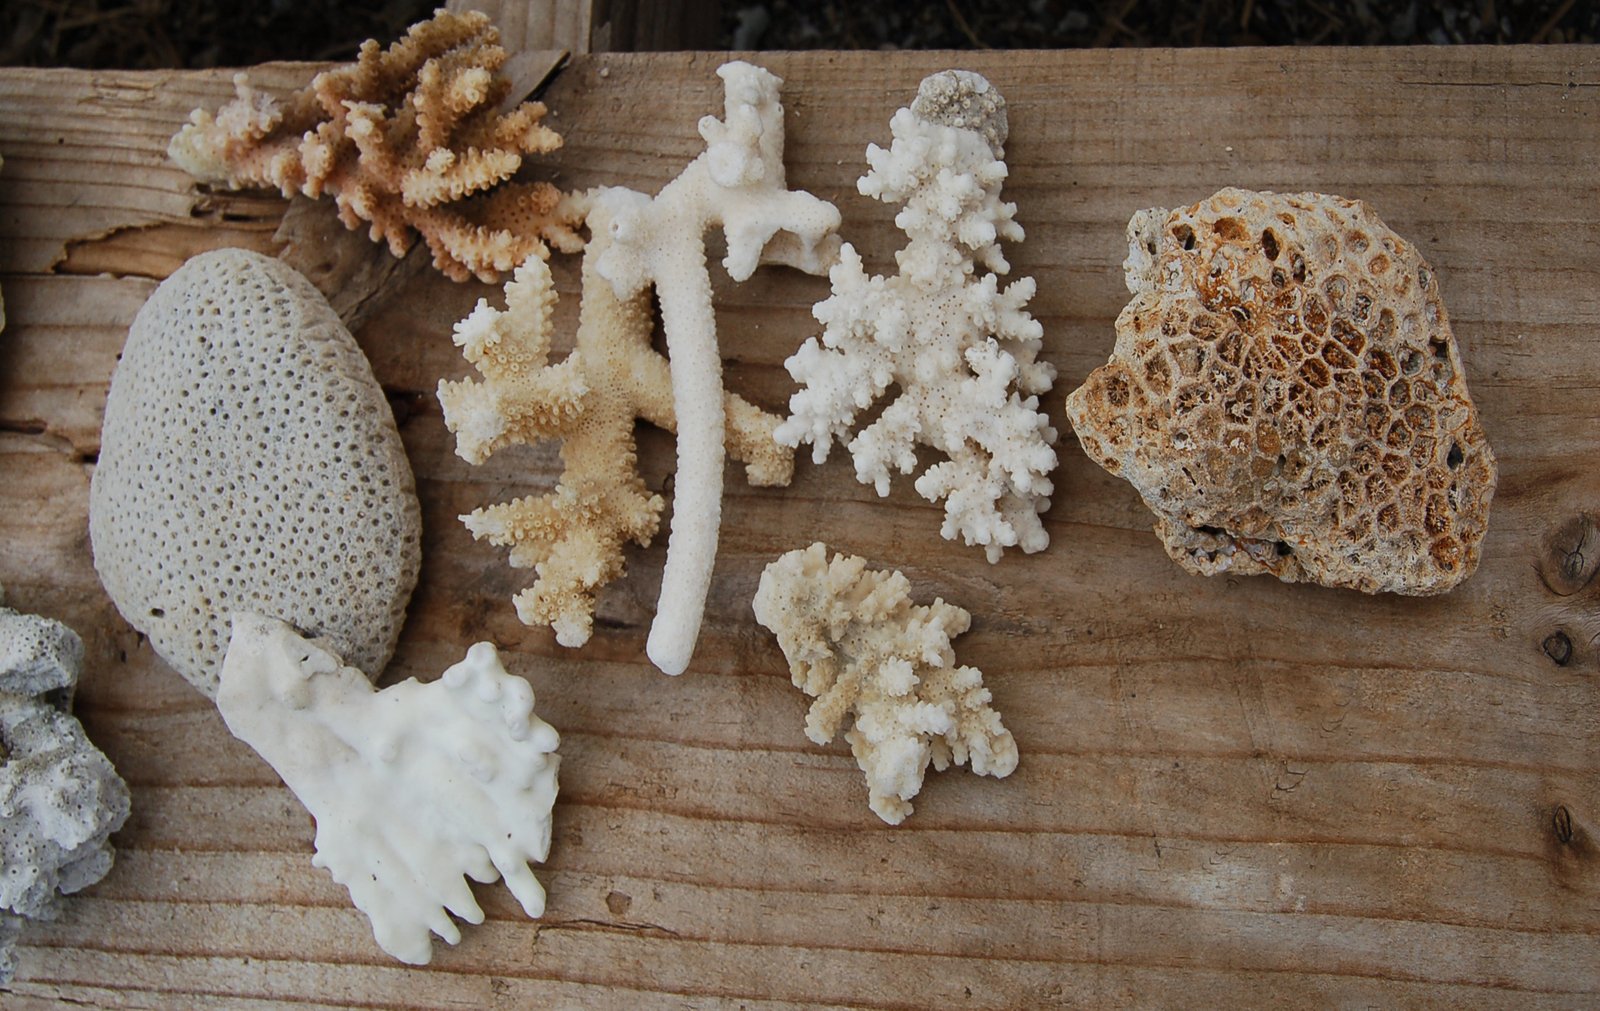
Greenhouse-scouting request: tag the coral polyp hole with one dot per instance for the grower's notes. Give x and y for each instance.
(1185, 236)
(1231, 229)
(156, 612)
(1269, 244)
(1455, 457)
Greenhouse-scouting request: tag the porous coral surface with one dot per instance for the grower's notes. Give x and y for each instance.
(1287, 396)
(249, 461)
(574, 537)
(60, 799)
(884, 666)
(413, 788)
(408, 140)
(958, 352)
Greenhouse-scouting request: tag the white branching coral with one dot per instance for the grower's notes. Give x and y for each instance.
(868, 656)
(60, 799)
(659, 242)
(961, 350)
(574, 536)
(408, 140)
(413, 788)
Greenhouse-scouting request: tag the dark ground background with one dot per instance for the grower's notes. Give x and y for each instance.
(195, 33)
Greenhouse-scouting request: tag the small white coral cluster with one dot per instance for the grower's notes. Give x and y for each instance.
(413, 788)
(869, 657)
(640, 244)
(962, 351)
(60, 799)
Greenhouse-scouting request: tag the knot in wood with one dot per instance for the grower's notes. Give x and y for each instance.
(1558, 647)
(1561, 824)
(1570, 555)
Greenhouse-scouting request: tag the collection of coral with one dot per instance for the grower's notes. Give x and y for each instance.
(1285, 394)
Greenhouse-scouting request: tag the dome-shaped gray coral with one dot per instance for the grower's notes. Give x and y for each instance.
(250, 462)
(60, 799)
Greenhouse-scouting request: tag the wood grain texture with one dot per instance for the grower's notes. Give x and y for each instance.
(1232, 792)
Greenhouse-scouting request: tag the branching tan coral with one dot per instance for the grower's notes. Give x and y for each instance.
(857, 645)
(574, 536)
(408, 140)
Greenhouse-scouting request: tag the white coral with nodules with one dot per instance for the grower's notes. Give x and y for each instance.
(961, 350)
(870, 658)
(413, 788)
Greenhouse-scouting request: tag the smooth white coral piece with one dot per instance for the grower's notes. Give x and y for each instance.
(738, 183)
(961, 350)
(60, 799)
(412, 787)
(857, 645)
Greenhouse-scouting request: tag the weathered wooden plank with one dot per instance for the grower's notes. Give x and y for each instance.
(1232, 792)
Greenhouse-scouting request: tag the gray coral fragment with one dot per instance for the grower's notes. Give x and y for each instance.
(60, 799)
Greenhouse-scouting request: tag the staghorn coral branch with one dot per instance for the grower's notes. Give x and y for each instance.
(738, 183)
(574, 537)
(408, 140)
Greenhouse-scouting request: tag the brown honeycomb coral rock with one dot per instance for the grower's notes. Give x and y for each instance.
(1288, 398)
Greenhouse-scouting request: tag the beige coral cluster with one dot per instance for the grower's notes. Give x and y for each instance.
(1287, 396)
(409, 140)
(870, 658)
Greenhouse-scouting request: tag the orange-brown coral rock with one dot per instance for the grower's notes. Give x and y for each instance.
(409, 140)
(1287, 396)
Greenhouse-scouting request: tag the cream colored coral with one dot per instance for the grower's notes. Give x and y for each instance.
(1287, 396)
(408, 140)
(960, 352)
(574, 537)
(868, 656)
(413, 788)
(738, 183)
